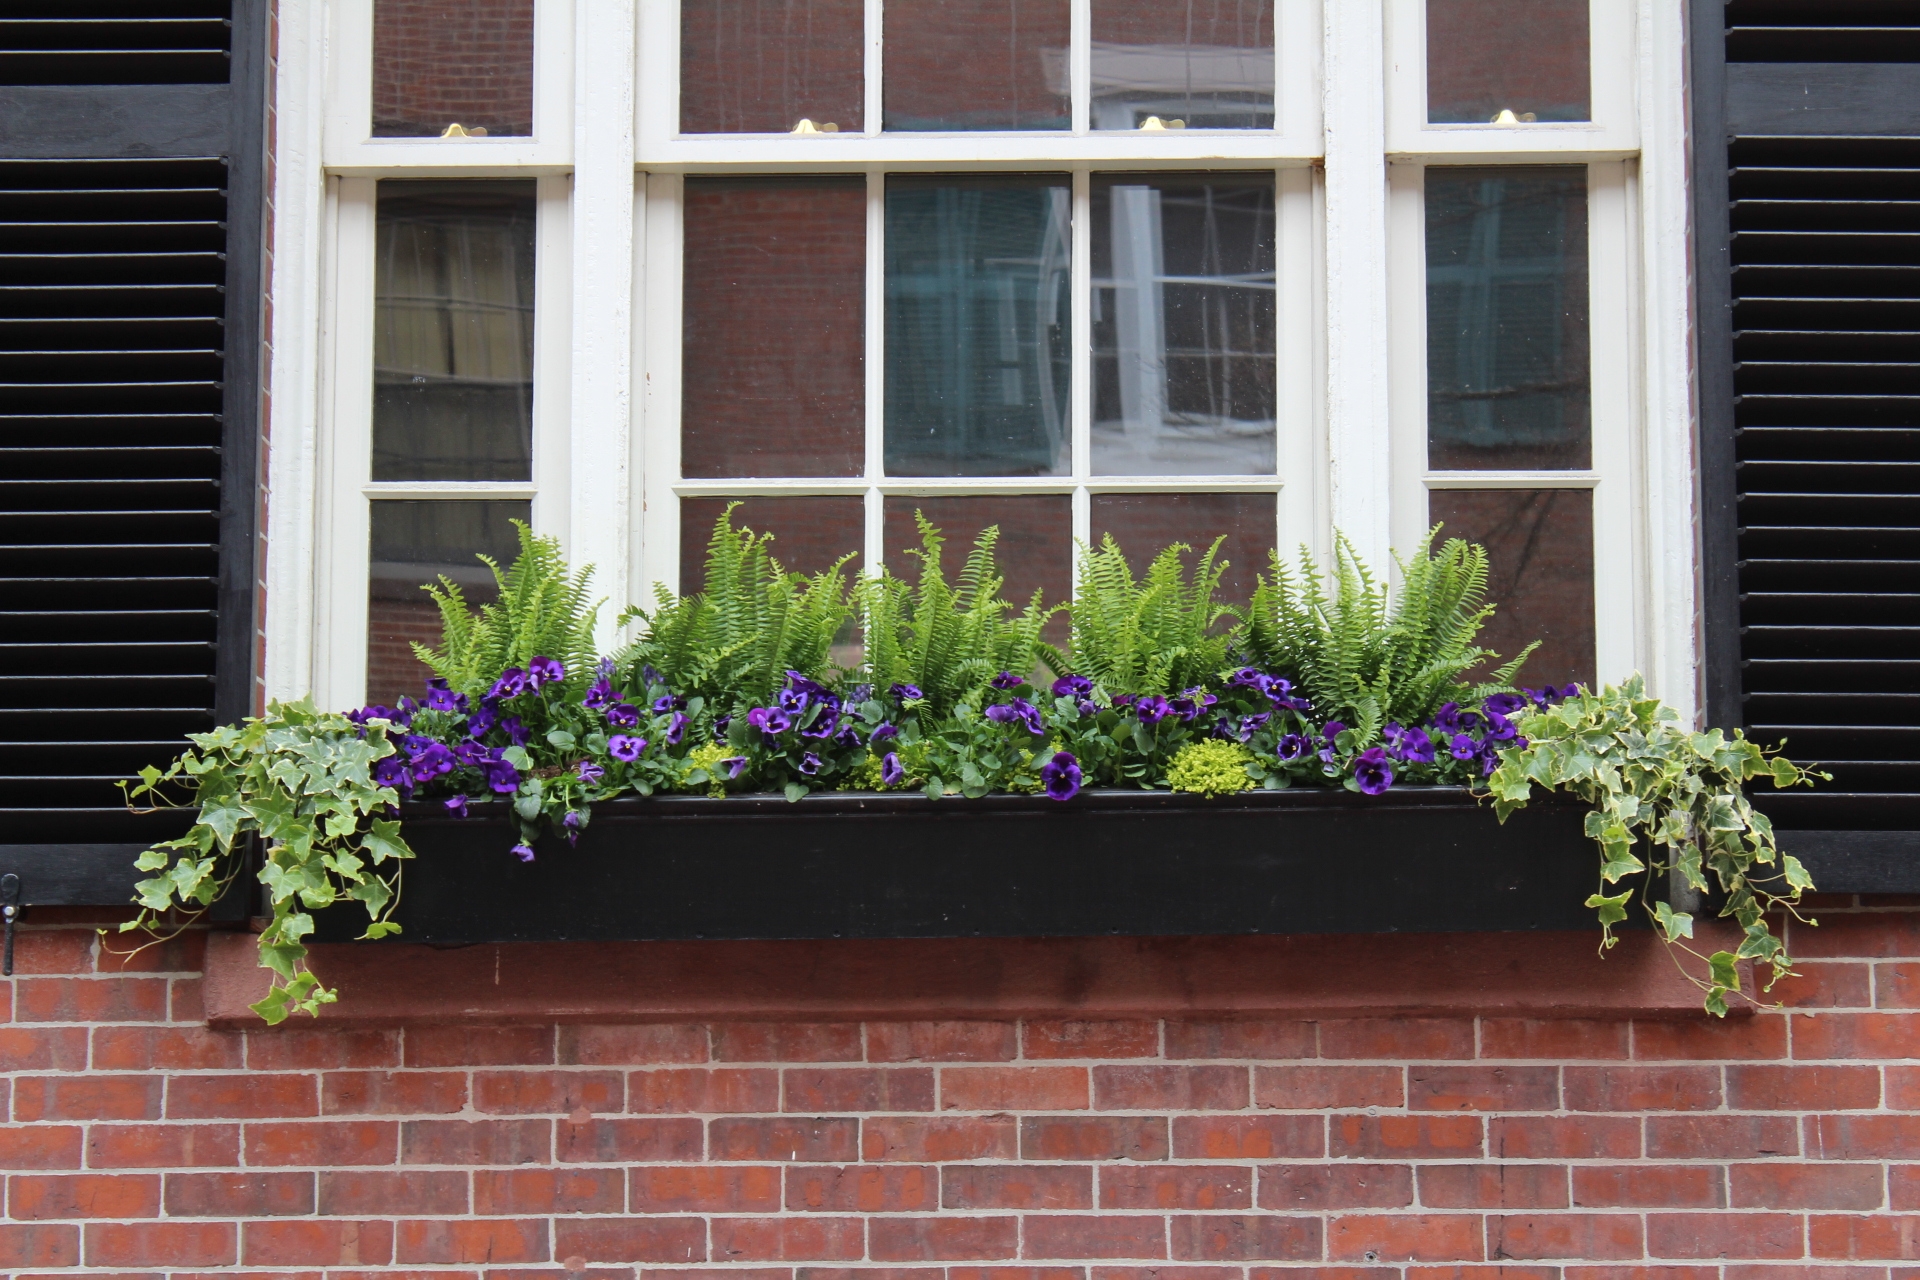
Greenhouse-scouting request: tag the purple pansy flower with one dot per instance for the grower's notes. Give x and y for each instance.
(1151, 709)
(892, 773)
(734, 765)
(1251, 724)
(1072, 687)
(1504, 704)
(624, 746)
(676, 728)
(1291, 746)
(906, 692)
(1372, 771)
(502, 777)
(1061, 776)
(511, 684)
(622, 715)
(883, 731)
(588, 771)
(809, 764)
(457, 806)
(572, 822)
(1007, 680)
(1086, 707)
(484, 717)
(769, 720)
(430, 761)
(523, 851)
(391, 771)
(1463, 747)
(442, 698)
(515, 731)
(1001, 713)
(545, 671)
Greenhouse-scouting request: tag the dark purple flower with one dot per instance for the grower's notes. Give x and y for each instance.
(883, 731)
(848, 735)
(624, 746)
(1001, 713)
(545, 671)
(572, 823)
(1122, 699)
(1499, 727)
(457, 806)
(720, 724)
(1251, 723)
(663, 704)
(623, 715)
(734, 765)
(648, 676)
(511, 684)
(372, 712)
(391, 771)
(1447, 719)
(1029, 716)
(805, 684)
(523, 851)
(1086, 707)
(1151, 709)
(484, 717)
(1007, 680)
(1463, 747)
(430, 761)
(1333, 730)
(1250, 678)
(823, 725)
(769, 720)
(441, 698)
(1415, 747)
(906, 692)
(471, 754)
(1061, 776)
(588, 771)
(794, 701)
(676, 728)
(1291, 746)
(1504, 704)
(502, 777)
(1072, 687)
(515, 731)
(892, 773)
(1372, 771)
(809, 764)
(600, 694)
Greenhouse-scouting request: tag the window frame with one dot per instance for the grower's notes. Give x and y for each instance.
(607, 431)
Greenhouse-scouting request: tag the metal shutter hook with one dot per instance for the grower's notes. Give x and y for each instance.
(10, 898)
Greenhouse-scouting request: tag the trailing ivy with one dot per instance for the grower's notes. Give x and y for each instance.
(1653, 782)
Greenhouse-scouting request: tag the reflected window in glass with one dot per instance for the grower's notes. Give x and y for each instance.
(443, 62)
(1145, 523)
(1508, 359)
(453, 331)
(1197, 64)
(977, 325)
(1540, 559)
(1184, 343)
(1497, 62)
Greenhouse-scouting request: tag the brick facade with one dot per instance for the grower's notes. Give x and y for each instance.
(1764, 1148)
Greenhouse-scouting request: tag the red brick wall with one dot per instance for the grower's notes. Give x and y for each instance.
(440, 62)
(1770, 1148)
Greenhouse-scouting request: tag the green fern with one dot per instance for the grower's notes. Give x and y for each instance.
(733, 643)
(542, 610)
(1155, 636)
(950, 640)
(1365, 654)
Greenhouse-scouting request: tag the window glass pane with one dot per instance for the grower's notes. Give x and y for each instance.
(762, 66)
(453, 331)
(1206, 63)
(1146, 523)
(809, 534)
(774, 351)
(1507, 347)
(1489, 56)
(416, 543)
(976, 64)
(977, 325)
(442, 62)
(1183, 325)
(1540, 547)
(1035, 550)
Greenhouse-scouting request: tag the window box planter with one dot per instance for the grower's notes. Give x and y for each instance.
(1132, 863)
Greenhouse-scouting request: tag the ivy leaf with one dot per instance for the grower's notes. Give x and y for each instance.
(381, 929)
(1726, 975)
(1673, 924)
(1612, 910)
(383, 841)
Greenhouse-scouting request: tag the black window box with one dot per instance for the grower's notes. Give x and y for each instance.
(862, 865)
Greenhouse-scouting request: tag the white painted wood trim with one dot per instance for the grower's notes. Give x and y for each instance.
(553, 275)
(1299, 439)
(659, 523)
(1611, 276)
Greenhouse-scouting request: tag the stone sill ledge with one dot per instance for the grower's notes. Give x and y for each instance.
(1535, 974)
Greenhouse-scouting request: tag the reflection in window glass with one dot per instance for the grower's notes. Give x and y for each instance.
(442, 62)
(977, 280)
(976, 65)
(809, 534)
(773, 345)
(1145, 523)
(453, 331)
(1540, 550)
(1206, 63)
(1034, 551)
(1507, 347)
(762, 66)
(1184, 346)
(1485, 57)
(415, 543)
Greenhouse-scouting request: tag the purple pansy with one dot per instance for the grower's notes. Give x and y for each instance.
(523, 851)
(1151, 709)
(1007, 680)
(621, 715)
(545, 671)
(502, 777)
(1072, 687)
(1373, 771)
(624, 746)
(457, 806)
(1061, 776)
(892, 773)
(511, 684)
(588, 771)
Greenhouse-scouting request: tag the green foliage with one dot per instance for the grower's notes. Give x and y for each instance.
(1652, 782)
(300, 780)
(733, 643)
(949, 641)
(1211, 767)
(542, 611)
(1157, 635)
(1365, 654)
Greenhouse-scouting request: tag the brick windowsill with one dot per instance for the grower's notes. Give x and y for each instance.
(1542, 974)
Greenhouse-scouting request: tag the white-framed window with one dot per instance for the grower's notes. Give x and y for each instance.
(830, 259)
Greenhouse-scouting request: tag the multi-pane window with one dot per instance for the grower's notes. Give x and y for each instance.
(1068, 267)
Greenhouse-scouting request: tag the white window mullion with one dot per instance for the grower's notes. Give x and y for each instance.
(1080, 387)
(875, 369)
(346, 455)
(659, 518)
(602, 349)
(1357, 366)
(1407, 351)
(1300, 390)
(553, 273)
(1619, 606)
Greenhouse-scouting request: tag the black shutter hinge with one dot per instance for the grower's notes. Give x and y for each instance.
(10, 909)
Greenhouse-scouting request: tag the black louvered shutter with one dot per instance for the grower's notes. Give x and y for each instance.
(1808, 198)
(130, 298)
